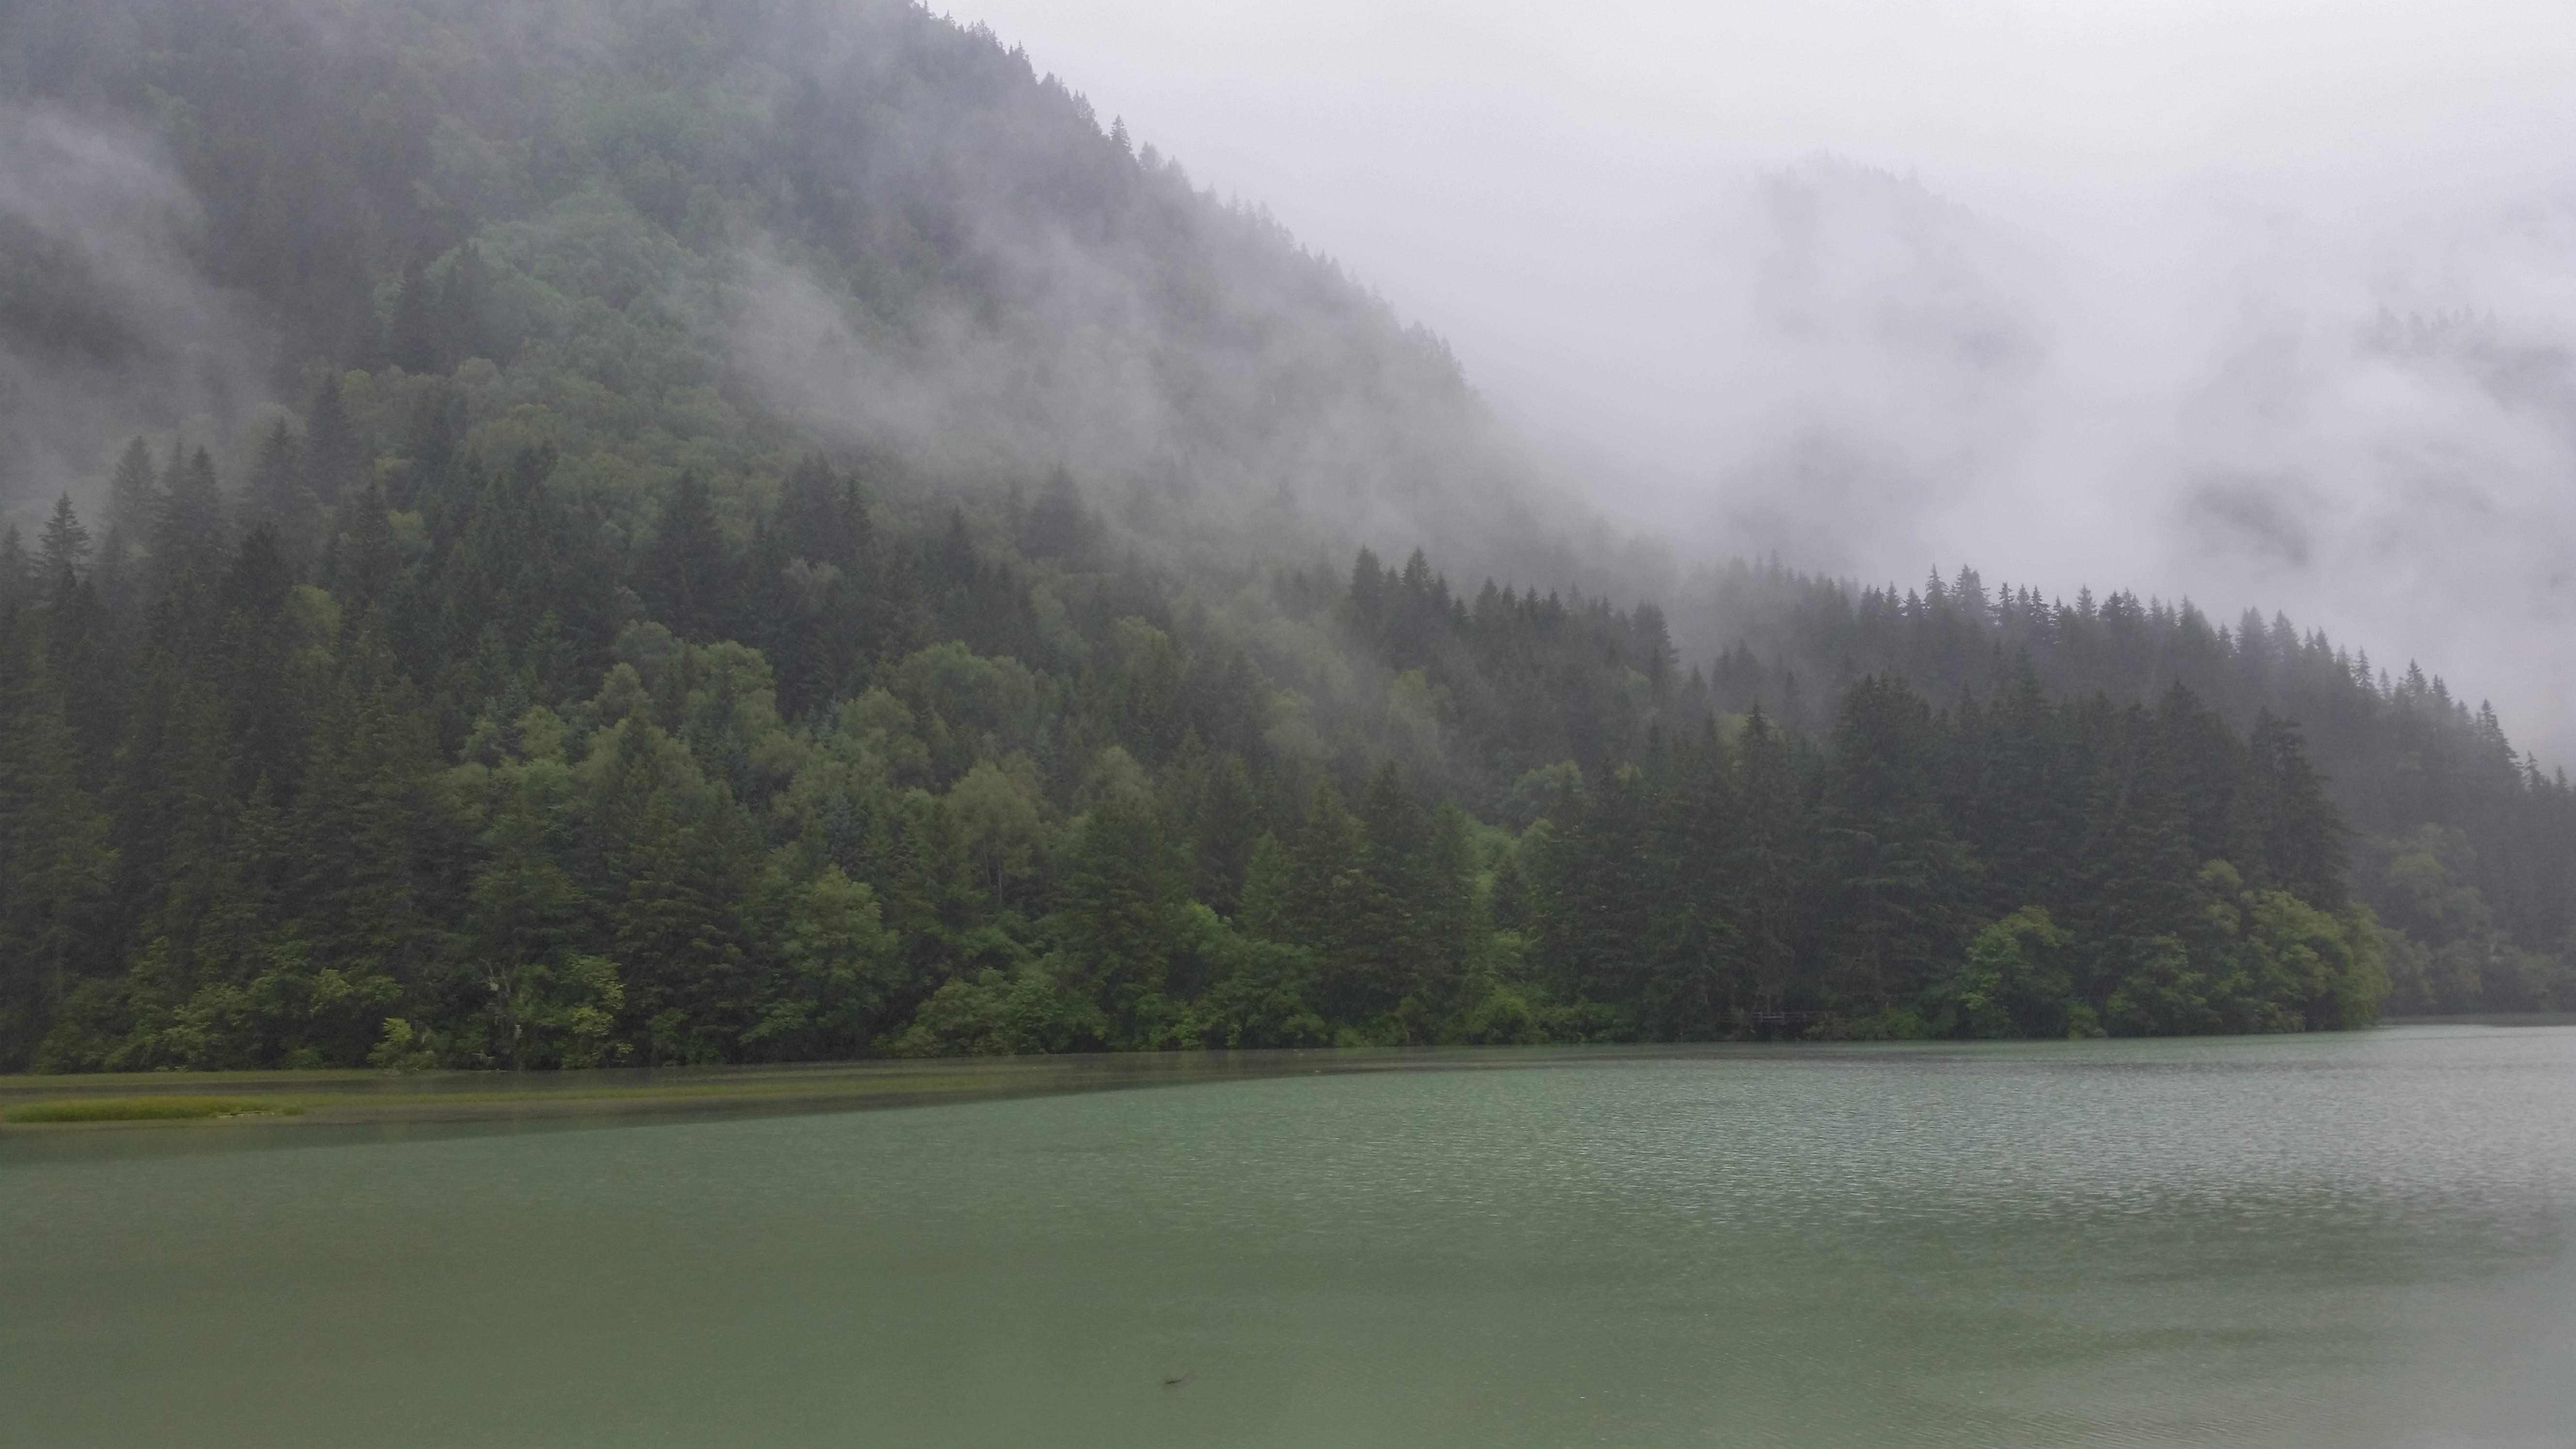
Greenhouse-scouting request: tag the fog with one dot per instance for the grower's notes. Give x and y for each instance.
(2269, 305)
(100, 204)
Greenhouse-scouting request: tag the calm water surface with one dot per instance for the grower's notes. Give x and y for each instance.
(2331, 1241)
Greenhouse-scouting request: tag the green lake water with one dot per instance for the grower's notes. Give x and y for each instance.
(2333, 1241)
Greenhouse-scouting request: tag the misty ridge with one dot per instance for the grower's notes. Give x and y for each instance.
(969, 270)
(2238, 407)
(1049, 303)
(999, 596)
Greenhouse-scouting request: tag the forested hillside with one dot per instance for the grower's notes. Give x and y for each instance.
(845, 217)
(772, 534)
(471, 784)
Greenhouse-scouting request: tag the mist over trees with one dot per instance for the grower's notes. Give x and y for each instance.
(856, 219)
(774, 535)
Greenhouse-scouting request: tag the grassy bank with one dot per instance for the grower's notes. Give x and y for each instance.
(148, 1109)
(56, 1103)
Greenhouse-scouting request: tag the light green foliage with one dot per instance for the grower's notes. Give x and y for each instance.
(400, 1049)
(2447, 952)
(994, 1014)
(151, 1109)
(966, 708)
(1001, 809)
(2012, 983)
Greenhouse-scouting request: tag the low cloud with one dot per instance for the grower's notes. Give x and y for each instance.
(111, 322)
(2266, 305)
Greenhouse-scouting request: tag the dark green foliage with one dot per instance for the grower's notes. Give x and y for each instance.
(2394, 756)
(449, 799)
(63, 550)
(54, 888)
(1057, 525)
(331, 444)
(1895, 880)
(688, 577)
(188, 525)
(1856, 903)
(132, 504)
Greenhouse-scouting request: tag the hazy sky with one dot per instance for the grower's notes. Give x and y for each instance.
(2075, 293)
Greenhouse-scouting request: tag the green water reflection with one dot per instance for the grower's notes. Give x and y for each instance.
(2354, 1241)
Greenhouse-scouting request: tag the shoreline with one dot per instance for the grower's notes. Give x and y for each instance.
(365, 1098)
(360, 1098)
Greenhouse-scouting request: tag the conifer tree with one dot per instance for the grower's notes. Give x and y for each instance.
(823, 515)
(2133, 882)
(189, 531)
(1697, 978)
(133, 502)
(1225, 825)
(63, 548)
(2301, 831)
(1057, 525)
(278, 495)
(362, 546)
(1770, 862)
(1900, 885)
(53, 839)
(1118, 908)
(1307, 892)
(687, 574)
(1408, 938)
(331, 446)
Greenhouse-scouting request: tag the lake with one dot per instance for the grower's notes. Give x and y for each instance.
(2330, 1240)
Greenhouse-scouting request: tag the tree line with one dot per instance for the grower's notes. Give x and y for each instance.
(2461, 844)
(492, 780)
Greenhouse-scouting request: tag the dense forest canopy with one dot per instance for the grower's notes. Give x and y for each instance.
(668, 532)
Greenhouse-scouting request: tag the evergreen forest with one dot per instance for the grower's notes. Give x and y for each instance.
(684, 533)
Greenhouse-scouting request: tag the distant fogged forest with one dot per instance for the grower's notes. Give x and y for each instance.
(651, 532)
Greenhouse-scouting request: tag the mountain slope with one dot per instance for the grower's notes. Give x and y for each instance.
(853, 217)
(785, 538)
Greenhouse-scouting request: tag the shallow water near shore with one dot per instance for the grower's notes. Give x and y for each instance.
(2336, 1240)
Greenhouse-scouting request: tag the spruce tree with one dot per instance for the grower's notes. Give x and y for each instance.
(1117, 915)
(133, 501)
(1057, 525)
(823, 516)
(2302, 832)
(687, 577)
(1311, 893)
(1225, 825)
(1901, 887)
(64, 547)
(331, 446)
(54, 863)
(1408, 936)
(189, 531)
(1697, 977)
(278, 495)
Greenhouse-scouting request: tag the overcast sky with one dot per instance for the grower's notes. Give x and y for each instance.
(2074, 293)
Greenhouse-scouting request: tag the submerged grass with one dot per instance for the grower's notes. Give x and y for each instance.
(349, 1098)
(326, 1104)
(149, 1109)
